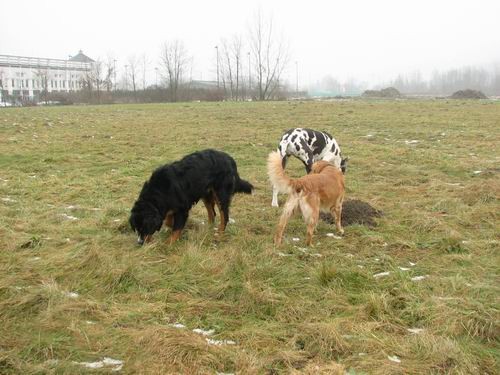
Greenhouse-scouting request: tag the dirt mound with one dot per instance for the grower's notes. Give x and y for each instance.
(389, 92)
(468, 94)
(355, 211)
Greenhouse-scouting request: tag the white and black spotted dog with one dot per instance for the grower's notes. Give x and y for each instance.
(309, 146)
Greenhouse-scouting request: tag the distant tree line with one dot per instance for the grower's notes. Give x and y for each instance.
(450, 81)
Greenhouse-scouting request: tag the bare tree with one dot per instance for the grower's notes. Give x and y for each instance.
(109, 73)
(144, 67)
(270, 55)
(231, 66)
(96, 77)
(175, 60)
(42, 75)
(2, 92)
(133, 70)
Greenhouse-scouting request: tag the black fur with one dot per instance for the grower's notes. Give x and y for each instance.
(174, 188)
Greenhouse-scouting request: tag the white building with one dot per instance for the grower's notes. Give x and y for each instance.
(26, 78)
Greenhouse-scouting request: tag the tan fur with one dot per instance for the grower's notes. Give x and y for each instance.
(321, 190)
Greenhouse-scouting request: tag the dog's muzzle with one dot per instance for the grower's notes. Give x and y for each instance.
(140, 241)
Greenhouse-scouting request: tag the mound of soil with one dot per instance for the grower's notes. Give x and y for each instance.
(389, 92)
(355, 211)
(468, 94)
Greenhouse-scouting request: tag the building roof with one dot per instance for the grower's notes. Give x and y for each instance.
(81, 57)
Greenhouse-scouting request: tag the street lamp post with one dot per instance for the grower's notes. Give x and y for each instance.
(114, 72)
(126, 78)
(217, 49)
(249, 77)
(296, 79)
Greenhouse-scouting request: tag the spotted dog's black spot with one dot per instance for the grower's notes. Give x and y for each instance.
(319, 144)
(297, 147)
(333, 148)
(293, 138)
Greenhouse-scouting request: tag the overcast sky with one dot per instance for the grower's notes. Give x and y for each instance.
(371, 40)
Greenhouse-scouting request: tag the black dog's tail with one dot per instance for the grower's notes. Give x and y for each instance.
(243, 186)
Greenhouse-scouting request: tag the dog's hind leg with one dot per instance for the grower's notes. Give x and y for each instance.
(336, 211)
(222, 200)
(274, 202)
(180, 219)
(209, 202)
(288, 210)
(310, 211)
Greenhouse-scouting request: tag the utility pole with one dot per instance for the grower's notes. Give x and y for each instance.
(249, 77)
(156, 77)
(126, 78)
(296, 79)
(217, 49)
(114, 72)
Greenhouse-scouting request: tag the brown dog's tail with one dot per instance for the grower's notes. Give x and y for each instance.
(277, 175)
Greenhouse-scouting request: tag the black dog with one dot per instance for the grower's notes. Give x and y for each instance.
(173, 189)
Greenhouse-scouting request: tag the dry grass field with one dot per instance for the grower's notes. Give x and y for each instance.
(416, 293)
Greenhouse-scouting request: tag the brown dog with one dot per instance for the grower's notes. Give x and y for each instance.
(322, 189)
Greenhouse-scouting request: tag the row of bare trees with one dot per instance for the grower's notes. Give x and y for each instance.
(268, 56)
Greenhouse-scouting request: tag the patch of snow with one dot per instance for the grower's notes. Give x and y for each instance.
(404, 269)
(394, 358)
(333, 236)
(71, 207)
(412, 142)
(71, 295)
(89, 322)
(177, 325)
(36, 258)
(93, 365)
(296, 239)
(412, 264)
(280, 254)
(382, 274)
(106, 361)
(477, 172)
(415, 331)
(200, 331)
(231, 221)
(117, 220)
(418, 278)
(7, 199)
(220, 342)
(69, 217)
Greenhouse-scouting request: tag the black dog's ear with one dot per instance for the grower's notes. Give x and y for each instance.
(152, 222)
